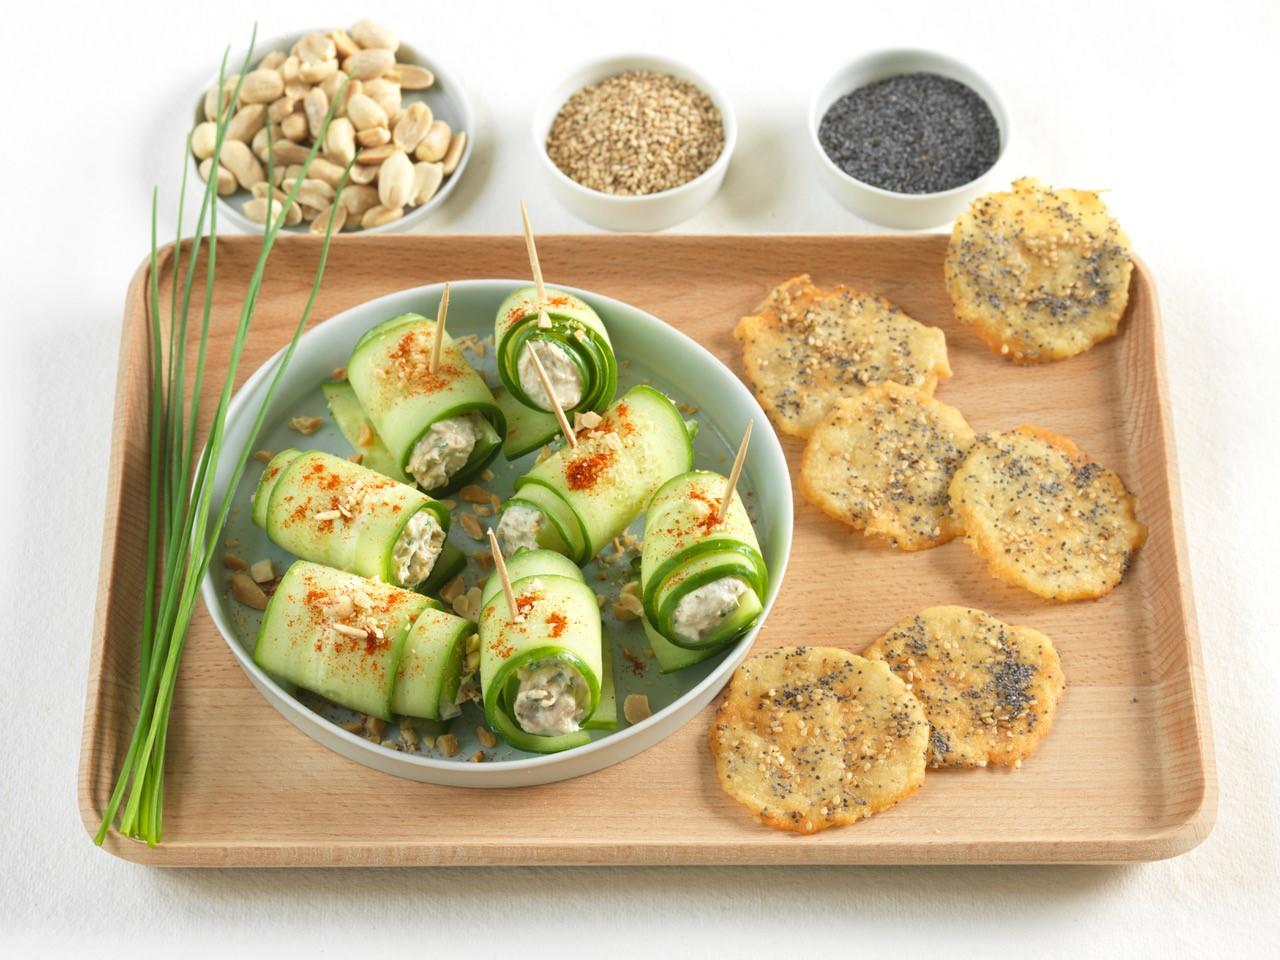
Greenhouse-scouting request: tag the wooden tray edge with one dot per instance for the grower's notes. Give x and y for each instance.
(90, 757)
(1169, 842)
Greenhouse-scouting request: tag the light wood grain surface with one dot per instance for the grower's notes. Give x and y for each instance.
(1126, 774)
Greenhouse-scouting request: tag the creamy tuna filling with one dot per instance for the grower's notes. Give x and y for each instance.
(702, 610)
(445, 449)
(518, 528)
(562, 373)
(552, 699)
(416, 550)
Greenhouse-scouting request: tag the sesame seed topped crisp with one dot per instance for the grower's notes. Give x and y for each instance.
(989, 689)
(1045, 516)
(804, 348)
(1040, 274)
(883, 462)
(813, 737)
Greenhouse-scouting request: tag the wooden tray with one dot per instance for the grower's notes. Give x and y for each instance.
(1126, 775)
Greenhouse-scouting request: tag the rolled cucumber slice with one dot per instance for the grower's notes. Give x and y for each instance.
(389, 370)
(300, 640)
(559, 621)
(530, 563)
(574, 327)
(688, 545)
(527, 428)
(640, 443)
(332, 511)
(431, 667)
(357, 428)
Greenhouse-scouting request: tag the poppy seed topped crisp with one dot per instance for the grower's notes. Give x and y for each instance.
(815, 737)
(1045, 516)
(804, 348)
(989, 689)
(883, 462)
(1039, 274)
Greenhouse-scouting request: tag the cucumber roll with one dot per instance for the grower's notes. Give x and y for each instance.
(541, 670)
(429, 681)
(338, 635)
(577, 500)
(702, 576)
(355, 426)
(440, 428)
(332, 511)
(572, 344)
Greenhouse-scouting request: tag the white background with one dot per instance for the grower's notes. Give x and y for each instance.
(1173, 109)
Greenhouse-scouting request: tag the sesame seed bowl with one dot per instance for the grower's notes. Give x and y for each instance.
(631, 211)
(887, 207)
(656, 353)
(445, 99)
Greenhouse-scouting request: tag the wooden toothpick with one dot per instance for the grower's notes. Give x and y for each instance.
(438, 340)
(543, 320)
(501, 566)
(565, 428)
(735, 472)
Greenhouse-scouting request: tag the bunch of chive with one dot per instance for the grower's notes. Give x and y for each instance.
(181, 515)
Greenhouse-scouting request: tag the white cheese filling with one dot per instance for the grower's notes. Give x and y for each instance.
(417, 548)
(552, 699)
(444, 449)
(519, 528)
(562, 374)
(702, 610)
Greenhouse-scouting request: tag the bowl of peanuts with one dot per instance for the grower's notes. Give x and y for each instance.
(402, 116)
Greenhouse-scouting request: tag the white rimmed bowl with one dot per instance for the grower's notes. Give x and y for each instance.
(657, 353)
(907, 211)
(446, 98)
(653, 211)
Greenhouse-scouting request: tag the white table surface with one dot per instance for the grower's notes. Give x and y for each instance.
(1172, 109)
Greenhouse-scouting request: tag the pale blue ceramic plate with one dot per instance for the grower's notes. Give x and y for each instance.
(649, 351)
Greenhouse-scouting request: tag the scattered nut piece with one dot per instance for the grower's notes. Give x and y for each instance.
(408, 734)
(471, 526)
(262, 571)
(306, 425)
(232, 562)
(448, 745)
(374, 727)
(247, 592)
(473, 494)
(366, 436)
(486, 737)
(586, 421)
(636, 707)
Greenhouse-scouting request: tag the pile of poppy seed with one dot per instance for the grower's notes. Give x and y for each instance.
(913, 133)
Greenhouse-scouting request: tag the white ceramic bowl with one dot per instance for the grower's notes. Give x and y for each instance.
(658, 353)
(654, 211)
(445, 97)
(902, 210)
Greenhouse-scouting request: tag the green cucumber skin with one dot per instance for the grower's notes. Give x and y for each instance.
(656, 447)
(570, 533)
(530, 563)
(350, 419)
(670, 657)
(431, 667)
(527, 428)
(401, 418)
(505, 647)
(605, 716)
(297, 644)
(516, 324)
(267, 482)
(362, 545)
(680, 555)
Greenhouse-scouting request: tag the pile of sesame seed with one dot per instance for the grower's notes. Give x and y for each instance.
(637, 133)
